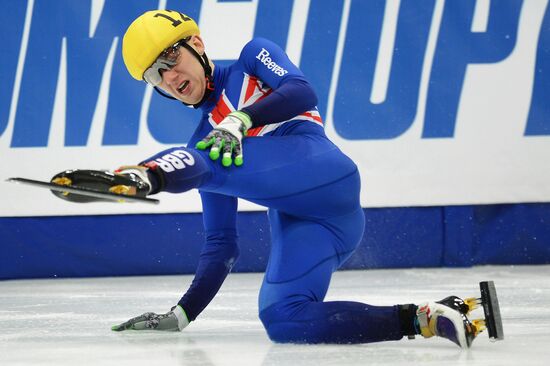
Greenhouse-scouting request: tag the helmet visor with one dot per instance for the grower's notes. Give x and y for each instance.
(166, 61)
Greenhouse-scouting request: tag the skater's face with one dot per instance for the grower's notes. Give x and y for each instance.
(185, 80)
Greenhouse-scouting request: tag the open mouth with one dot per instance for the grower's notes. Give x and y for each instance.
(183, 86)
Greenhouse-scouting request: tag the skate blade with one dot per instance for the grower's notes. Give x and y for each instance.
(491, 309)
(65, 188)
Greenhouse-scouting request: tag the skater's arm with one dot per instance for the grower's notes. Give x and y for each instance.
(287, 94)
(292, 94)
(219, 253)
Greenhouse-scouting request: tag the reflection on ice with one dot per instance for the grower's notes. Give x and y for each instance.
(67, 321)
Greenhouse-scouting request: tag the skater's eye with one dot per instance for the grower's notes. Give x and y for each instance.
(166, 61)
(171, 54)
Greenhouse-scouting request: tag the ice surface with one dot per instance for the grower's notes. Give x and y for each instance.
(67, 321)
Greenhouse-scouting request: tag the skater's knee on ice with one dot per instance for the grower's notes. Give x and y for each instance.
(279, 333)
(279, 319)
(275, 324)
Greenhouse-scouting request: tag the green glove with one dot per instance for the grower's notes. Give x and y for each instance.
(174, 320)
(227, 137)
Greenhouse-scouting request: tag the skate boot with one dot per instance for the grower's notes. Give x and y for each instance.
(125, 181)
(448, 318)
(438, 319)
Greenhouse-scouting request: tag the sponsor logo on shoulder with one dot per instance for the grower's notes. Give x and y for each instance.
(264, 58)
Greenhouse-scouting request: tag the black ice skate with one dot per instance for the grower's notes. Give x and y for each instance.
(129, 184)
(448, 318)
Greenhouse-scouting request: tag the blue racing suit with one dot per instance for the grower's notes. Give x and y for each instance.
(311, 190)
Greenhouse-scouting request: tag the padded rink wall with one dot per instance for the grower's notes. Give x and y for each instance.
(444, 105)
(83, 246)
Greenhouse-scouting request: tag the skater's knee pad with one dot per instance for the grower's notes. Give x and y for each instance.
(278, 320)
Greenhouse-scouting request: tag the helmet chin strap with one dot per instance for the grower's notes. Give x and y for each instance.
(203, 60)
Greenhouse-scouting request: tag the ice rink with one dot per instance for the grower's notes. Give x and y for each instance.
(67, 321)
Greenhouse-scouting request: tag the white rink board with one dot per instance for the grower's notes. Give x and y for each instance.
(488, 160)
(67, 321)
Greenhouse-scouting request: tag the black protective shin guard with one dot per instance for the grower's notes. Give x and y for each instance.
(407, 316)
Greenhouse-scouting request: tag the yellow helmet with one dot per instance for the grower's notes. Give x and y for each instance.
(150, 34)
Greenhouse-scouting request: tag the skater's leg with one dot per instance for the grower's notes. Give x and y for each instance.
(303, 257)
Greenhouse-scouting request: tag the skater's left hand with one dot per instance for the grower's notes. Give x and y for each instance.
(226, 138)
(174, 320)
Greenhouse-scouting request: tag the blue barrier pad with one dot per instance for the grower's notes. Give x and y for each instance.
(117, 245)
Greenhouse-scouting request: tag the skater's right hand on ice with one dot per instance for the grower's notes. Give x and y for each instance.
(174, 320)
(226, 137)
